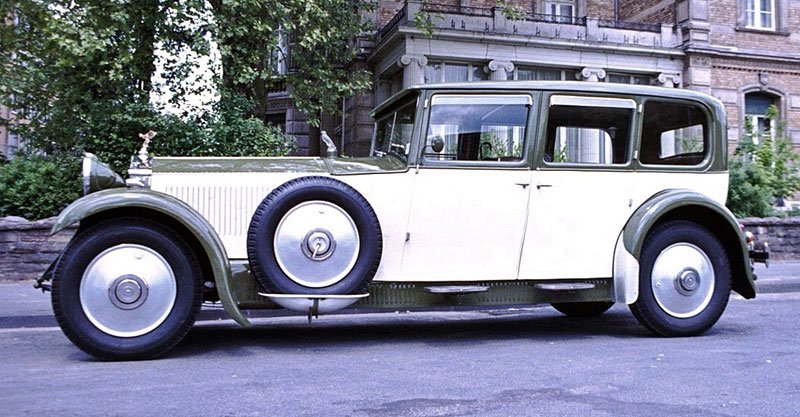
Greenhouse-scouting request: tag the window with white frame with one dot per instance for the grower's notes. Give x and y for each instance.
(756, 107)
(561, 11)
(439, 71)
(760, 14)
(547, 74)
(627, 79)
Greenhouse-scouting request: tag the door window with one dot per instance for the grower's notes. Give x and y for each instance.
(586, 130)
(477, 128)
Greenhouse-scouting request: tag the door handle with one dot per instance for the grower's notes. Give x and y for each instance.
(524, 185)
(540, 186)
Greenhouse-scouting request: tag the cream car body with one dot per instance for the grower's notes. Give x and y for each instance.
(482, 194)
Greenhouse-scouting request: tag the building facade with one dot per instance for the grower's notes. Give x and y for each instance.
(9, 141)
(744, 52)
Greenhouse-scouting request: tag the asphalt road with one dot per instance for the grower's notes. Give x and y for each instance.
(502, 362)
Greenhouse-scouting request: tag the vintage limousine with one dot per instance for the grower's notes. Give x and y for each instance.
(579, 195)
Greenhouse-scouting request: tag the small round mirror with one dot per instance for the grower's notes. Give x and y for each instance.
(437, 144)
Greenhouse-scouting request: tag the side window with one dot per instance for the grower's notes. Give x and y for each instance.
(673, 134)
(477, 128)
(588, 130)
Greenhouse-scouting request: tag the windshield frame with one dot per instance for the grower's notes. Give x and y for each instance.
(389, 114)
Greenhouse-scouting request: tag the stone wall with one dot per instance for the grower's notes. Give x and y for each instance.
(783, 235)
(27, 249)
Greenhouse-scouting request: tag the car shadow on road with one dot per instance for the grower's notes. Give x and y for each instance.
(399, 328)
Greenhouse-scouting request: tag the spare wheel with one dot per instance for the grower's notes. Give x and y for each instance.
(314, 235)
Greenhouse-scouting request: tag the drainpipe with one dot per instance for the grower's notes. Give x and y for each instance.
(616, 10)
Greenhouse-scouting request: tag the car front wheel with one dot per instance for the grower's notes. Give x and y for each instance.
(684, 280)
(127, 289)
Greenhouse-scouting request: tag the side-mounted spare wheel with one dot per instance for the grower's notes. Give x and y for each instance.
(684, 280)
(127, 288)
(314, 235)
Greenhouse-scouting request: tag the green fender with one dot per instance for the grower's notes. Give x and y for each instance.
(176, 209)
(705, 211)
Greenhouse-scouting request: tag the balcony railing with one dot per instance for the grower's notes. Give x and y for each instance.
(619, 24)
(564, 20)
(457, 9)
(398, 17)
(493, 20)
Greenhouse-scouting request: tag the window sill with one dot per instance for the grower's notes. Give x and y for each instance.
(775, 32)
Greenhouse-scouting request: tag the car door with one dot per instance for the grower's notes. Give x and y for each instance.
(581, 192)
(471, 188)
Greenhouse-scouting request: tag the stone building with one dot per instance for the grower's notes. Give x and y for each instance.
(9, 142)
(744, 52)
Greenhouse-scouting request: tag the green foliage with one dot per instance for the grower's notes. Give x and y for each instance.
(762, 171)
(321, 36)
(36, 187)
(511, 11)
(424, 21)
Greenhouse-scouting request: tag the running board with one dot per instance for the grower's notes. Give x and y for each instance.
(456, 289)
(563, 286)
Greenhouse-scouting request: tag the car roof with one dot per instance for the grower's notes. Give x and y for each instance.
(563, 86)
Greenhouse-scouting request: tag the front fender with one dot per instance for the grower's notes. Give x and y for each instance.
(181, 212)
(709, 213)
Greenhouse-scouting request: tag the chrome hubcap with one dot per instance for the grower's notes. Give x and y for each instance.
(683, 280)
(128, 292)
(125, 304)
(316, 244)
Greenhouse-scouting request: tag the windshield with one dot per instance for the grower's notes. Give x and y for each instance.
(393, 130)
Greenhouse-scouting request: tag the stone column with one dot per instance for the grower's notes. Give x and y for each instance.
(500, 70)
(413, 69)
(591, 74)
(669, 79)
(588, 143)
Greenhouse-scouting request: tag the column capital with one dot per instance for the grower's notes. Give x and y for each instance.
(408, 59)
(669, 79)
(499, 70)
(591, 74)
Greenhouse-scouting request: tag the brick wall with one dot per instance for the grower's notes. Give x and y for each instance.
(647, 11)
(601, 9)
(27, 249)
(783, 235)
(728, 77)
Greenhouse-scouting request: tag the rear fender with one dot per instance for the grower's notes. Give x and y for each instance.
(683, 205)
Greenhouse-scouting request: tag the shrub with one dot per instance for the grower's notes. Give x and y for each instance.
(35, 187)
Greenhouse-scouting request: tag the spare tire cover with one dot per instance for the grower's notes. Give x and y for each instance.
(314, 235)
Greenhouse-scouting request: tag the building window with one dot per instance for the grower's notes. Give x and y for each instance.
(560, 11)
(756, 107)
(543, 74)
(278, 55)
(437, 72)
(760, 14)
(627, 79)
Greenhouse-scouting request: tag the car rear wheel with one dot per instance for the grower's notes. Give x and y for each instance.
(684, 280)
(127, 289)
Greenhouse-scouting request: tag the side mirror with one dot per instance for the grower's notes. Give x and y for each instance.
(437, 144)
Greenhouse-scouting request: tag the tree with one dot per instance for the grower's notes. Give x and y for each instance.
(314, 37)
(762, 171)
(79, 72)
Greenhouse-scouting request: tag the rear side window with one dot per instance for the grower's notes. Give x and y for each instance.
(588, 130)
(673, 134)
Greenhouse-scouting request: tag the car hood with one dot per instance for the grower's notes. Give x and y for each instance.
(333, 166)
